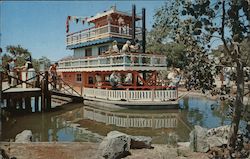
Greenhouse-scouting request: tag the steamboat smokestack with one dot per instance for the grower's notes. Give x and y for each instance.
(143, 30)
(133, 23)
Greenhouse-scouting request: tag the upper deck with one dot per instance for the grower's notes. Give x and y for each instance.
(109, 24)
(92, 34)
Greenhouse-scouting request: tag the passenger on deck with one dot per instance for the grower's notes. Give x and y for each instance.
(175, 78)
(29, 72)
(126, 47)
(113, 80)
(13, 72)
(115, 47)
(53, 74)
(98, 80)
(1, 64)
(128, 79)
(136, 47)
(7, 67)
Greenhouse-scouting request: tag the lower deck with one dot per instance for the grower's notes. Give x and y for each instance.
(123, 87)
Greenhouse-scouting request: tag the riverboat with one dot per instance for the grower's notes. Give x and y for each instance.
(105, 72)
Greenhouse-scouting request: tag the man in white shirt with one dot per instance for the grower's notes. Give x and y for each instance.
(13, 73)
(126, 47)
(1, 62)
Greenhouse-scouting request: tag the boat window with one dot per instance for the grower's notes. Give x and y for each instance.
(78, 77)
(88, 52)
(102, 49)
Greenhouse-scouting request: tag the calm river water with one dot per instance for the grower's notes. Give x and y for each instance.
(75, 122)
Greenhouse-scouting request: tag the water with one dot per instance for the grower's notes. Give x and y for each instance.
(75, 122)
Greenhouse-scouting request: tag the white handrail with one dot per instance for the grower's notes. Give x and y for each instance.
(95, 33)
(131, 95)
(116, 60)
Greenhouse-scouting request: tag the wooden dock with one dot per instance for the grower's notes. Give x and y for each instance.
(18, 98)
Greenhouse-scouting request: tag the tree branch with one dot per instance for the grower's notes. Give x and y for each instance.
(223, 28)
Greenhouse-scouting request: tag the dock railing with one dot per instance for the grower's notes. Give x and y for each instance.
(131, 95)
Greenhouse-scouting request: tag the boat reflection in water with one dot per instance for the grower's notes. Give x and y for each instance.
(132, 120)
(95, 123)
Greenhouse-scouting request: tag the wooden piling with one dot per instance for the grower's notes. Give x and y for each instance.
(28, 107)
(36, 103)
(48, 100)
(20, 103)
(8, 103)
(43, 99)
(1, 81)
(37, 85)
(14, 104)
(46, 95)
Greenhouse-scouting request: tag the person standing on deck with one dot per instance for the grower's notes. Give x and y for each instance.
(53, 74)
(126, 47)
(7, 67)
(1, 61)
(13, 72)
(30, 71)
(115, 47)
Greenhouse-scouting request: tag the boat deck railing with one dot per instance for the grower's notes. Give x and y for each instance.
(114, 60)
(98, 33)
(131, 95)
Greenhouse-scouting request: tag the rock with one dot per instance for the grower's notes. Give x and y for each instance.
(25, 136)
(139, 142)
(198, 139)
(115, 145)
(218, 136)
(202, 140)
(214, 141)
(183, 144)
(221, 131)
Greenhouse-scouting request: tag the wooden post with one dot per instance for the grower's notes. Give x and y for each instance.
(37, 97)
(14, 104)
(36, 103)
(8, 103)
(46, 96)
(20, 103)
(1, 80)
(48, 100)
(43, 103)
(28, 104)
(37, 84)
(47, 93)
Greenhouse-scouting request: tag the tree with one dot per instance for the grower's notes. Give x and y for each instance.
(17, 50)
(199, 24)
(157, 43)
(19, 53)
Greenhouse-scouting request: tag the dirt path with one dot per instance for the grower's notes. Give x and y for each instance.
(85, 150)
